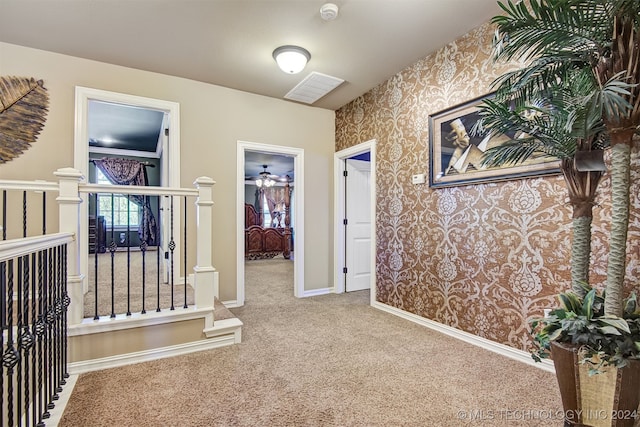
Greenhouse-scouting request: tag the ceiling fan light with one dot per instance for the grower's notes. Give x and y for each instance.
(264, 180)
(291, 59)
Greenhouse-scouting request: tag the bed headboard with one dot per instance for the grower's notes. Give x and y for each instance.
(251, 216)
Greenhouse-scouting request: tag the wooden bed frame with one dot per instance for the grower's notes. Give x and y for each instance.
(261, 242)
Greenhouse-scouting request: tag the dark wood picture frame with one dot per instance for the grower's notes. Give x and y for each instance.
(452, 162)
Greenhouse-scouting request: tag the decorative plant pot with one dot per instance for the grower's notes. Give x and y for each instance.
(608, 399)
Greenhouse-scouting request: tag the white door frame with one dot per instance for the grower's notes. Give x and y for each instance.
(339, 209)
(298, 213)
(81, 154)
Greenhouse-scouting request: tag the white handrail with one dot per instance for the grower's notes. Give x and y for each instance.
(10, 249)
(28, 185)
(99, 188)
(137, 190)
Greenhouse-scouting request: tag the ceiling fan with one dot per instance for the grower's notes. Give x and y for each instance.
(265, 178)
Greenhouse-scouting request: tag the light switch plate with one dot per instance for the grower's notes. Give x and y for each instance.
(417, 179)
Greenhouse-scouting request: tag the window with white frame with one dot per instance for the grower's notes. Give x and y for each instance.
(119, 205)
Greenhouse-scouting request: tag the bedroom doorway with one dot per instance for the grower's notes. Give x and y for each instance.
(355, 243)
(255, 151)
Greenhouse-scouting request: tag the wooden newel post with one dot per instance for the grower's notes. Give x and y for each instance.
(69, 211)
(260, 192)
(205, 276)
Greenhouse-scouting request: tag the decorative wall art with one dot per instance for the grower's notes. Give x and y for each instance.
(456, 152)
(24, 105)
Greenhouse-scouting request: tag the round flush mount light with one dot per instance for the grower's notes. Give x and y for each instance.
(329, 11)
(291, 59)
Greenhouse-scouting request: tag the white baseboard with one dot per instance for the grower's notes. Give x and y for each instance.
(504, 350)
(227, 339)
(55, 414)
(305, 294)
(138, 320)
(225, 326)
(316, 292)
(231, 303)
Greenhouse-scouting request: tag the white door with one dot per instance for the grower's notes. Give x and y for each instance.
(358, 228)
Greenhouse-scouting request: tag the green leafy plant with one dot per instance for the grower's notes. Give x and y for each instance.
(582, 58)
(555, 37)
(581, 321)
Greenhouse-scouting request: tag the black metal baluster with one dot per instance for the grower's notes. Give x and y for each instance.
(39, 328)
(4, 214)
(172, 246)
(21, 260)
(44, 213)
(3, 314)
(3, 284)
(4, 299)
(185, 253)
(40, 332)
(51, 335)
(26, 337)
(11, 356)
(112, 250)
(143, 250)
(96, 315)
(158, 253)
(20, 319)
(66, 301)
(24, 214)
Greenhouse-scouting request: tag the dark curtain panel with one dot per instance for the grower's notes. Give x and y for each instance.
(132, 172)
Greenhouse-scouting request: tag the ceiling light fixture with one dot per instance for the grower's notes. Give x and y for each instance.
(291, 59)
(265, 180)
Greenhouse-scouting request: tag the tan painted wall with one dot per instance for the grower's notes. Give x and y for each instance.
(482, 258)
(213, 119)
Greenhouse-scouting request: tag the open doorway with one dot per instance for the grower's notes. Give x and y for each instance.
(94, 106)
(260, 152)
(355, 243)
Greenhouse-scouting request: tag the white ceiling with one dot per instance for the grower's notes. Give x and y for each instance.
(230, 42)
(279, 167)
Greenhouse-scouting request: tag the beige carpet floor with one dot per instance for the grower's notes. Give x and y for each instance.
(132, 272)
(328, 360)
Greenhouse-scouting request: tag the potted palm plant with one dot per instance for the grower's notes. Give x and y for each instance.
(589, 49)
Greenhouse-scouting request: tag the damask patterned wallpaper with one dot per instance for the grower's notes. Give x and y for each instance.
(481, 258)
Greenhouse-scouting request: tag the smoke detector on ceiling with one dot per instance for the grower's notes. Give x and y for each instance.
(329, 11)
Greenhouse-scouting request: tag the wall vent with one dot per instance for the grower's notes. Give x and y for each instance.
(313, 87)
